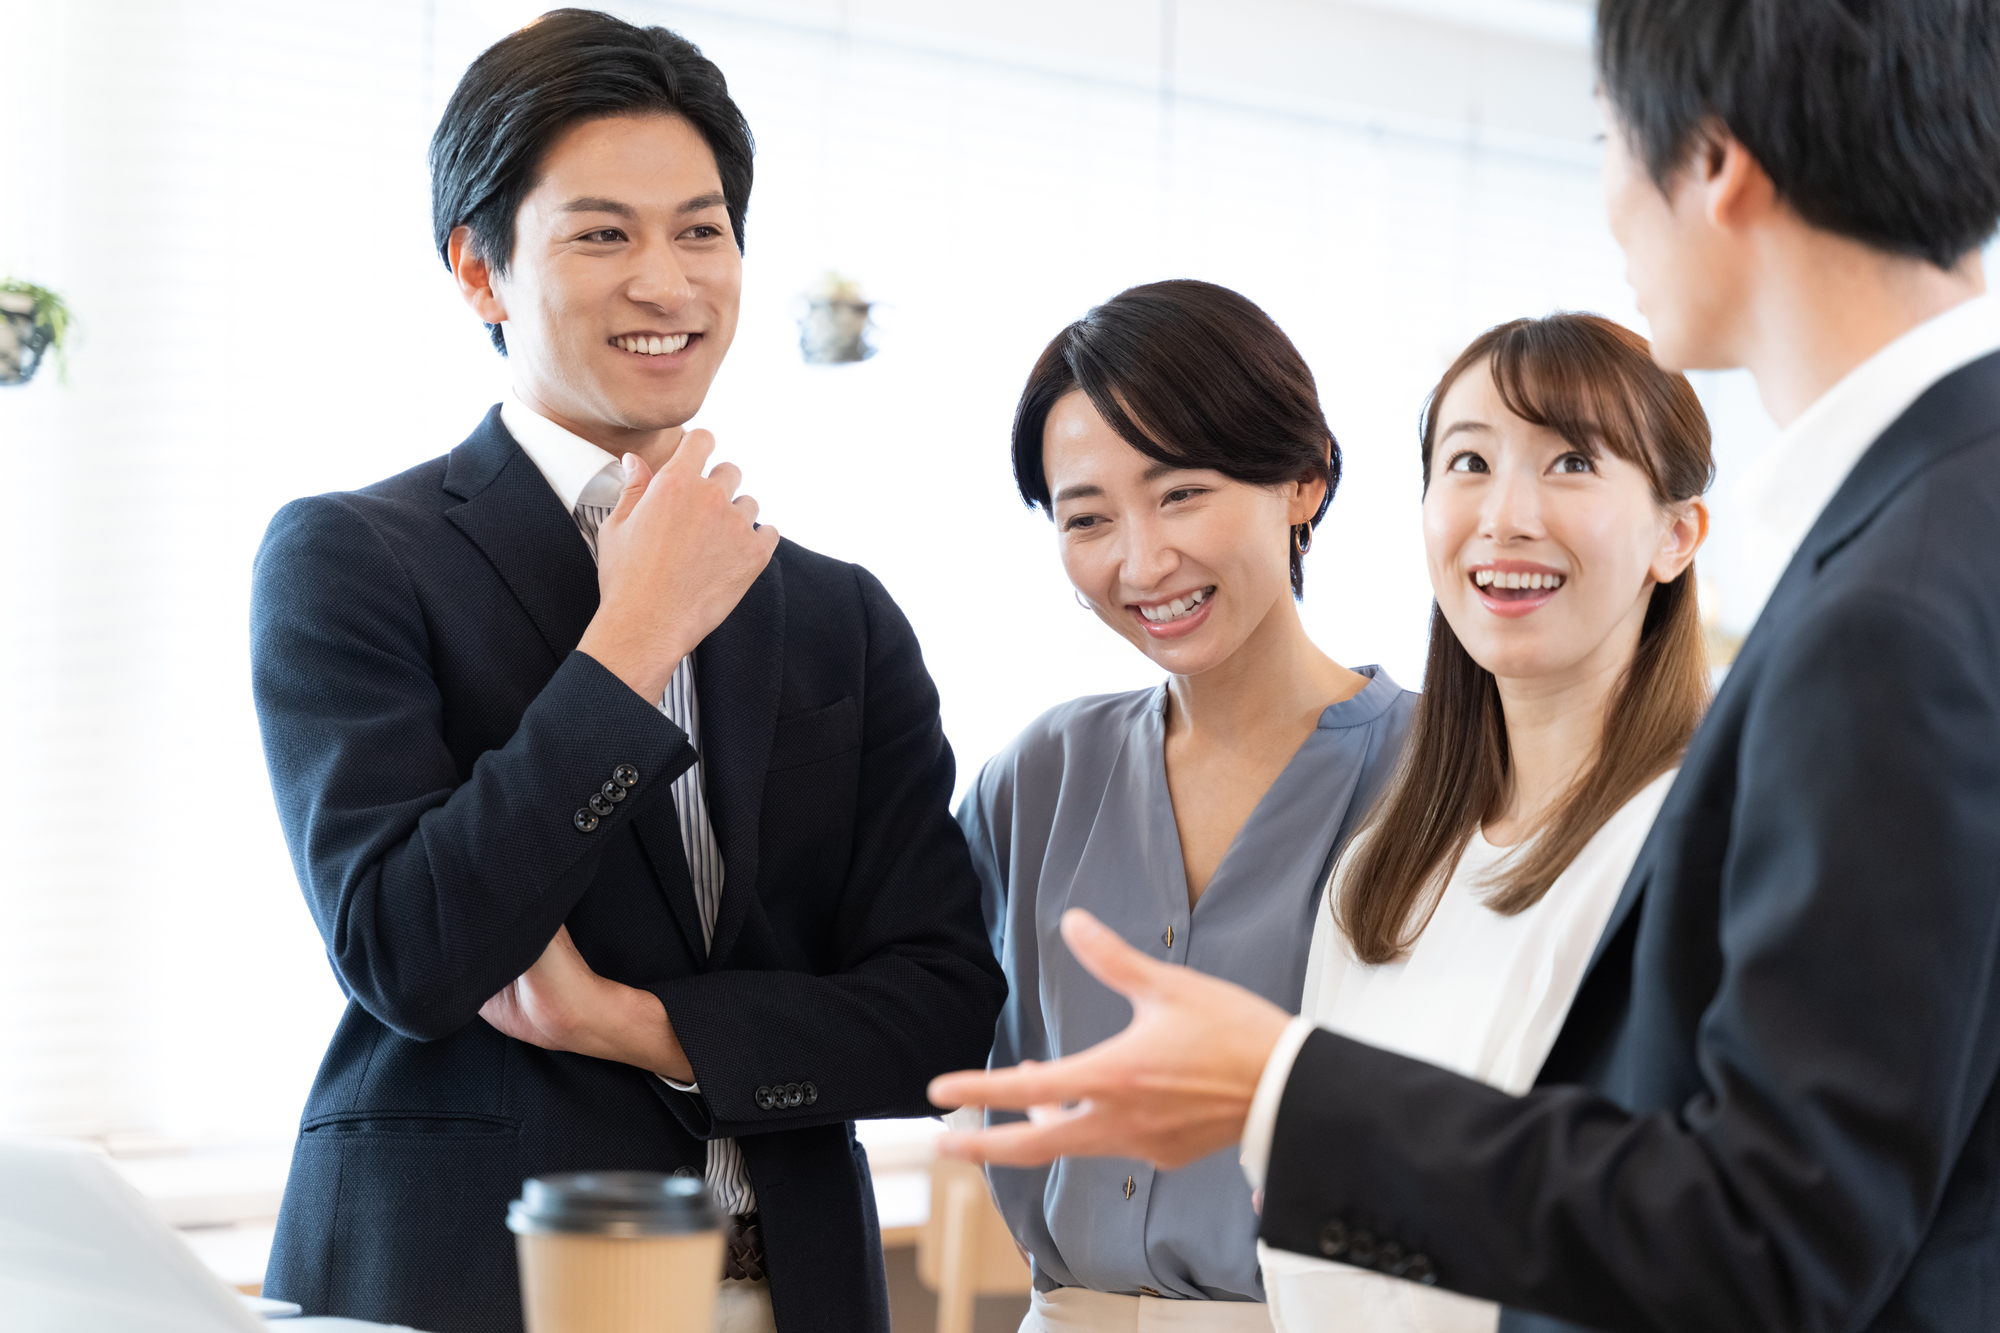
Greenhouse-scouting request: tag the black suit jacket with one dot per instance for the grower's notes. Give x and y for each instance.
(1772, 1105)
(432, 734)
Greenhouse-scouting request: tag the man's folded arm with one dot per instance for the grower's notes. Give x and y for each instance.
(915, 990)
(1849, 1047)
(432, 888)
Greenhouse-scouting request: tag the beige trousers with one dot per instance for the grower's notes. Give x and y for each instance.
(1075, 1310)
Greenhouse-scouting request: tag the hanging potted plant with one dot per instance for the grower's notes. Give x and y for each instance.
(834, 327)
(33, 321)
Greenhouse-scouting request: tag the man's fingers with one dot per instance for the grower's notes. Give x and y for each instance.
(1013, 1089)
(746, 505)
(693, 452)
(1023, 1144)
(637, 477)
(728, 476)
(1110, 959)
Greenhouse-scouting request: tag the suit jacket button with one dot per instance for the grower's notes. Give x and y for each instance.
(612, 792)
(600, 804)
(811, 1092)
(585, 821)
(794, 1095)
(1333, 1239)
(625, 775)
(1417, 1268)
(763, 1099)
(1361, 1249)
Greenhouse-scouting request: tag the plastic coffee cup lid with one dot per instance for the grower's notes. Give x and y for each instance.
(611, 1203)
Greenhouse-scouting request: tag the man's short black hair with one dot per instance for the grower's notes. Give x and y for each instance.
(1878, 120)
(529, 87)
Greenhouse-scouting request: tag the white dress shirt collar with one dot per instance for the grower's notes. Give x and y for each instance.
(566, 460)
(1787, 487)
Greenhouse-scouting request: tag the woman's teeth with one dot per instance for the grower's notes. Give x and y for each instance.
(1493, 578)
(1177, 608)
(652, 346)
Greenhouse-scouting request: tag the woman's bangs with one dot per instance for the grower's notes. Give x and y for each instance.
(1571, 386)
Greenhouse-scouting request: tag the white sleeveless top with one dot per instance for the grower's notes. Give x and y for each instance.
(1481, 994)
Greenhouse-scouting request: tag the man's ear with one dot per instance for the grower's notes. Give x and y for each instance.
(474, 277)
(1681, 540)
(1735, 189)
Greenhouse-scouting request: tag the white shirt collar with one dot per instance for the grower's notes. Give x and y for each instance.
(1791, 482)
(567, 461)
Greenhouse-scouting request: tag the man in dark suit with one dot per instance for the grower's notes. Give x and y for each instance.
(640, 865)
(1773, 1104)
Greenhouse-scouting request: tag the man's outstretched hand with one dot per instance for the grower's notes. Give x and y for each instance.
(1173, 1087)
(562, 1004)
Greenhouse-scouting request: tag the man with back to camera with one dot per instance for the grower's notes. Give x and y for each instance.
(646, 864)
(1773, 1105)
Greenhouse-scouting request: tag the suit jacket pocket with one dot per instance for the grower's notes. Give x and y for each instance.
(401, 1215)
(435, 1124)
(815, 735)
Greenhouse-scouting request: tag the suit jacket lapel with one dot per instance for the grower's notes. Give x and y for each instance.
(518, 523)
(1935, 425)
(738, 670)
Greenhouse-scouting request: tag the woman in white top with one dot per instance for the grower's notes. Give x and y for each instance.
(1562, 511)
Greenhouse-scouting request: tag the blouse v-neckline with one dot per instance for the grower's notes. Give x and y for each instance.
(1354, 710)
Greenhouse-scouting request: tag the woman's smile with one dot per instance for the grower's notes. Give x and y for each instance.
(1515, 587)
(1174, 617)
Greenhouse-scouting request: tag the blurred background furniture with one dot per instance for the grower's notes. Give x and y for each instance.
(964, 1250)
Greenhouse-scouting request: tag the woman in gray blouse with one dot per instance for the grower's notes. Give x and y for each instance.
(1175, 437)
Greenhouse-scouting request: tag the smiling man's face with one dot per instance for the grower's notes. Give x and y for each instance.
(622, 294)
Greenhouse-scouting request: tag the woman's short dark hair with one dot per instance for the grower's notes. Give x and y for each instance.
(1878, 120)
(526, 89)
(1193, 375)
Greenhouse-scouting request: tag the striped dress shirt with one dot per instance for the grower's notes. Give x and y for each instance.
(558, 454)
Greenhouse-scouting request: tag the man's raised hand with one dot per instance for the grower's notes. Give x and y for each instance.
(673, 560)
(1173, 1087)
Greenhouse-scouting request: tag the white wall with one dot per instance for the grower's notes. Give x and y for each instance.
(232, 193)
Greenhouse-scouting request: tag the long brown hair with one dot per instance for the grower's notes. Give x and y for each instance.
(1595, 384)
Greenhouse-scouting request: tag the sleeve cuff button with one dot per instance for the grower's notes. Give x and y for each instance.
(585, 821)
(625, 776)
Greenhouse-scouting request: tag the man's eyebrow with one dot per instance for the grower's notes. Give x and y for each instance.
(593, 204)
(1079, 492)
(702, 202)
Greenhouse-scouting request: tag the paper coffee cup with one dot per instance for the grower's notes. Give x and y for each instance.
(616, 1252)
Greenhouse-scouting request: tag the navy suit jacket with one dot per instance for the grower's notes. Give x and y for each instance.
(1772, 1107)
(432, 733)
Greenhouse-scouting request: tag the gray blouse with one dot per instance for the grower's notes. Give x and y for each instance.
(1076, 813)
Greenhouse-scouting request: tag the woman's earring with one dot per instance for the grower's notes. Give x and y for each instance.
(1302, 538)
(1084, 602)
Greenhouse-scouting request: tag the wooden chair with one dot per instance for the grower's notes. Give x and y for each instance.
(964, 1250)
